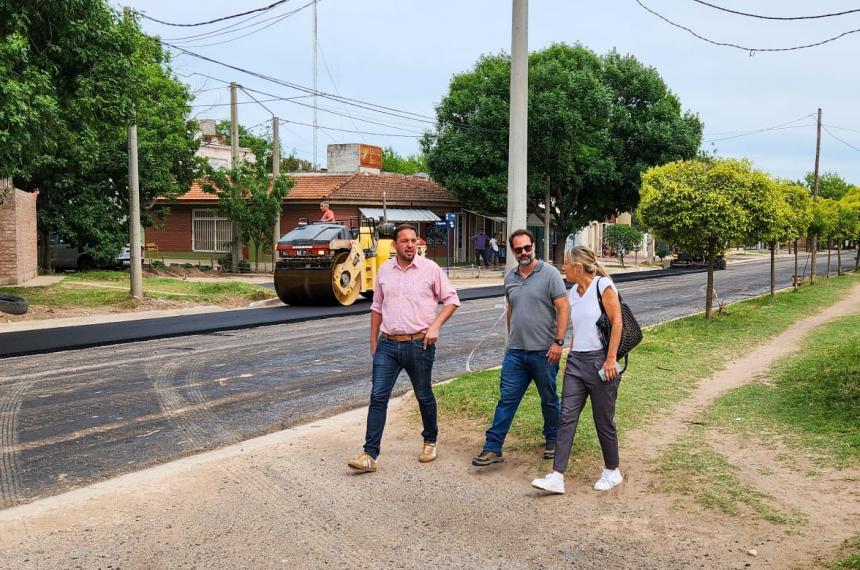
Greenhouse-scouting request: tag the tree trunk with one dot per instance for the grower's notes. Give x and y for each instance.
(857, 259)
(795, 279)
(709, 290)
(829, 247)
(257, 257)
(44, 249)
(773, 246)
(839, 257)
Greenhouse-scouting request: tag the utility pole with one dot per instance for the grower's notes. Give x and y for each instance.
(136, 268)
(316, 127)
(518, 135)
(814, 244)
(234, 162)
(276, 171)
(546, 224)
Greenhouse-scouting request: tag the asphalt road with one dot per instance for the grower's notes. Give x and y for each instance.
(71, 418)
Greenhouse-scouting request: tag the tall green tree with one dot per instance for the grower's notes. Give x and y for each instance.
(796, 216)
(703, 206)
(394, 162)
(622, 239)
(247, 194)
(823, 223)
(851, 200)
(830, 185)
(73, 73)
(596, 122)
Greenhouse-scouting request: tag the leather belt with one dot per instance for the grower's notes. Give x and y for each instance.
(404, 337)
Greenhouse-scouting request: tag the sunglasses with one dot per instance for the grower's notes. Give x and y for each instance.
(525, 248)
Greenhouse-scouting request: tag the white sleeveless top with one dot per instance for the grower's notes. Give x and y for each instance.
(584, 312)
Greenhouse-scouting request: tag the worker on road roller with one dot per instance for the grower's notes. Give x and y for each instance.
(325, 263)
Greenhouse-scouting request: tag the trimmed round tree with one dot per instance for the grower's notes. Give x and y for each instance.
(622, 239)
(703, 206)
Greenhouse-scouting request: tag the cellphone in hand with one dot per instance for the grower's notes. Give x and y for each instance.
(602, 372)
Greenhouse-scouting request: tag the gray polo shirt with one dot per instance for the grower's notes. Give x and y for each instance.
(530, 302)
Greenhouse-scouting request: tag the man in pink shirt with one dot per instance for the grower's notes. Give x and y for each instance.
(404, 327)
(327, 213)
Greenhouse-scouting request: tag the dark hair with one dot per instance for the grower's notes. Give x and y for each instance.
(521, 233)
(403, 227)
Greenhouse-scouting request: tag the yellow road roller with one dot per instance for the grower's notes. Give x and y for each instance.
(326, 263)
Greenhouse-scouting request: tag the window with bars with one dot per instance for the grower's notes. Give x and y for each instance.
(210, 231)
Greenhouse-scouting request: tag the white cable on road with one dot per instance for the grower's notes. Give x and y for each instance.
(483, 338)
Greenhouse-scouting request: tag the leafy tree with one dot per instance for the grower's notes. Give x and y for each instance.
(393, 162)
(248, 195)
(796, 215)
(622, 239)
(73, 73)
(703, 206)
(824, 223)
(261, 146)
(845, 226)
(851, 200)
(830, 185)
(662, 250)
(594, 124)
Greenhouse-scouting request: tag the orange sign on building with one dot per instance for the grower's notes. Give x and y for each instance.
(370, 156)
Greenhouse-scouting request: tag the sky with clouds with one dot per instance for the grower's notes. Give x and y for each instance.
(402, 53)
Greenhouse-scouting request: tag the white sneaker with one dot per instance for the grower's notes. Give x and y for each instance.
(554, 483)
(609, 479)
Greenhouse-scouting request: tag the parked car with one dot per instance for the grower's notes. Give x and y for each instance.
(687, 260)
(65, 256)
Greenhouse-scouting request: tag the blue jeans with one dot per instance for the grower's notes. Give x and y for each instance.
(519, 368)
(390, 359)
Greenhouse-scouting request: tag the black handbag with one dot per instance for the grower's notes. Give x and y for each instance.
(631, 332)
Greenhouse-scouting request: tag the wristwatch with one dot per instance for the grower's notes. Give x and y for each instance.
(559, 341)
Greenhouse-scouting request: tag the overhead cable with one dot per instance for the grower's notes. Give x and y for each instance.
(206, 23)
(846, 143)
(762, 17)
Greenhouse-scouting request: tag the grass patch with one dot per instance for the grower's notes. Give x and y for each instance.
(74, 291)
(812, 401)
(671, 360)
(694, 469)
(850, 552)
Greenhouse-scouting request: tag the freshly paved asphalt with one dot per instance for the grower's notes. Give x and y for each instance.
(71, 418)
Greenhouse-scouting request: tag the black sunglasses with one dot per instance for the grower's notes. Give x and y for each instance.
(525, 248)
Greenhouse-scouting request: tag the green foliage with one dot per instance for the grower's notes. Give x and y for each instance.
(705, 206)
(393, 162)
(796, 212)
(261, 146)
(248, 195)
(73, 73)
(830, 185)
(622, 239)
(595, 123)
(662, 250)
(823, 222)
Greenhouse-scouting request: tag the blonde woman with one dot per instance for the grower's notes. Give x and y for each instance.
(586, 361)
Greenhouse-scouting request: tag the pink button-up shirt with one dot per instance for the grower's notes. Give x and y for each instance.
(407, 298)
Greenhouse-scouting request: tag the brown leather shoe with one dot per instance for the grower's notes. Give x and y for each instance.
(428, 452)
(364, 463)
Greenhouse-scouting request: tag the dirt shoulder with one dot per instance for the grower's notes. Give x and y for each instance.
(289, 500)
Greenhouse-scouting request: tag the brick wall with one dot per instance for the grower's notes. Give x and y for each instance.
(172, 234)
(18, 252)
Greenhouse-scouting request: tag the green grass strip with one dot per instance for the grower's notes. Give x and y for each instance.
(672, 359)
(811, 401)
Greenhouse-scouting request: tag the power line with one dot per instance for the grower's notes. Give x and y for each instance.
(751, 50)
(840, 140)
(334, 84)
(247, 102)
(277, 20)
(232, 16)
(256, 100)
(779, 127)
(816, 17)
(767, 128)
(353, 131)
(843, 128)
(229, 28)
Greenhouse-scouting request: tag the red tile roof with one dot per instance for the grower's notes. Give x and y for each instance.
(358, 188)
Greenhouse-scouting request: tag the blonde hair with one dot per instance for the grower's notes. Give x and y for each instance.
(586, 257)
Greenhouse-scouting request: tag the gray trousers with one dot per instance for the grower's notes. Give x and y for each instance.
(581, 380)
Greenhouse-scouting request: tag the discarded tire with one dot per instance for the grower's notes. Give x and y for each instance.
(13, 305)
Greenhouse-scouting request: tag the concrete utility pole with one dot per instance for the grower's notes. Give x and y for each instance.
(234, 161)
(276, 171)
(316, 127)
(546, 227)
(518, 136)
(814, 240)
(136, 268)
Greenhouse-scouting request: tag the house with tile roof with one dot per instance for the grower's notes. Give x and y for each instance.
(195, 225)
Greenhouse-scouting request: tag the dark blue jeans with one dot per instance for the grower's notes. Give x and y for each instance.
(519, 368)
(390, 359)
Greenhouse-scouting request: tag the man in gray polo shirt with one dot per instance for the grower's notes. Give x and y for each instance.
(538, 311)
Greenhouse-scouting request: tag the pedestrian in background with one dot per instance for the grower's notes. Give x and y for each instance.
(537, 312)
(586, 361)
(481, 241)
(494, 250)
(404, 328)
